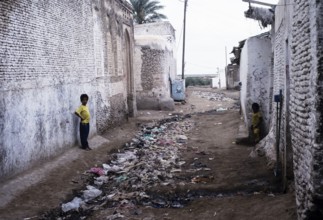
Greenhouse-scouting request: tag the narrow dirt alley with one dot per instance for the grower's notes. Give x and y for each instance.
(182, 165)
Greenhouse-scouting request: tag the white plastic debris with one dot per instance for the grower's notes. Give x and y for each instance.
(181, 138)
(91, 193)
(101, 180)
(221, 109)
(73, 205)
(112, 168)
(128, 155)
(116, 216)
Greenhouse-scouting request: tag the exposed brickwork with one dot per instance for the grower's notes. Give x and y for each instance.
(154, 65)
(306, 107)
(51, 51)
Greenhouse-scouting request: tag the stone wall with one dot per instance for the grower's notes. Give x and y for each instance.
(255, 76)
(50, 53)
(155, 65)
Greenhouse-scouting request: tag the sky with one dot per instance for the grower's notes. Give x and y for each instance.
(211, 26)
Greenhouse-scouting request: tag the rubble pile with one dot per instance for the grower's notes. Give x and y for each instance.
(212, 96)
(149, 160)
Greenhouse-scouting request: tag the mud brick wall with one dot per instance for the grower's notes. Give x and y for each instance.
(306, 107)
(50, 53)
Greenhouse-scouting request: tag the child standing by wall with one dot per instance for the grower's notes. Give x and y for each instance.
(256, 122)
(84, 114)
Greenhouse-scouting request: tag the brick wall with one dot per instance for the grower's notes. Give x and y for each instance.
(50, 53)
(306, 107)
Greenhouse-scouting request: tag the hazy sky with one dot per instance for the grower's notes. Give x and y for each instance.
(211, 25)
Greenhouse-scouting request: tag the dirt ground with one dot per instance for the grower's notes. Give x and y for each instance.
(234, 186)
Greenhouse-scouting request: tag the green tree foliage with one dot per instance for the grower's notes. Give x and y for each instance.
(197, 81)
(146, 11)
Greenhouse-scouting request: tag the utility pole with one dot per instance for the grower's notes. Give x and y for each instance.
(184, 35)
(226, 66)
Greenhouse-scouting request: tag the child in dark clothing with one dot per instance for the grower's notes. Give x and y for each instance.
(84, 114)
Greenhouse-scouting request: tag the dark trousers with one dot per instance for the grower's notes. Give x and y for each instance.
(84, 134)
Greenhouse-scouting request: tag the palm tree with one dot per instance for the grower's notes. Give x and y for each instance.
(145, 11)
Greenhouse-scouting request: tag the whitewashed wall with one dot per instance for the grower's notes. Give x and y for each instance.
(256, 76)
(49, 55)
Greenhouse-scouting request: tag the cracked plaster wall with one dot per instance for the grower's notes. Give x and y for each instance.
(255, 76)
(50, 53)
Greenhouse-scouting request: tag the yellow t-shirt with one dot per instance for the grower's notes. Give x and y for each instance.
(256, 119)
(84, 112)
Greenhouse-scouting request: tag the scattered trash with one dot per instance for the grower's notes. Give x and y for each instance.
(219, 123)
(30, 218)
(180, 163)
(121, 179)
(271, 195)
(198, 164)
(206, 169)
(159, 203)
(101, 180)
(176, 171)
(222, 109)
(73, 205)
(176, 205)
(91, 193)
(150, 159)
(97, 170)
(113, 168)
(202, 179)
(181, 139)
(115, 216)
(212, 96)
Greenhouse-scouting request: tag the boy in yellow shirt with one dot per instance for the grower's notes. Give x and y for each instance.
(84, 114)
(256, 122)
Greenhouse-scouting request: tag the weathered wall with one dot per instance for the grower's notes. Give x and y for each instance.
(281, 40)
(255, 76)
(50, 53)
(306, 107)
(298, 50)
(154, 65)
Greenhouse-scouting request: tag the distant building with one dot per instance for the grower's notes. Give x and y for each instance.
(154, 65)
(232, 76)
(232, 71)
